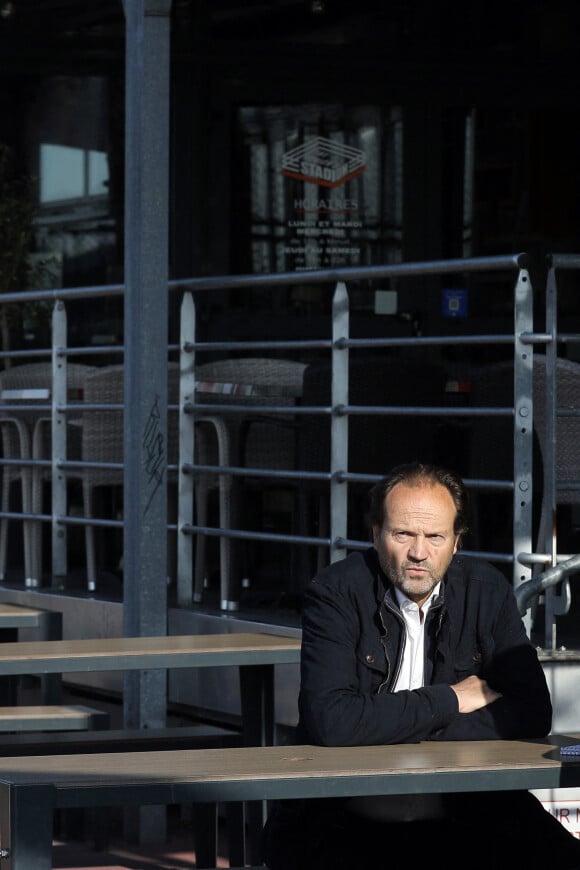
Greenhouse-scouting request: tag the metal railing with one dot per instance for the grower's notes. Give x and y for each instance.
(340, 410)
(523, 340)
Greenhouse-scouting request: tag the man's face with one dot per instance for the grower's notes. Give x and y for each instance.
(416, 541)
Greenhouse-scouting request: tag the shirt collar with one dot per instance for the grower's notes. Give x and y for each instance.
(402, 599)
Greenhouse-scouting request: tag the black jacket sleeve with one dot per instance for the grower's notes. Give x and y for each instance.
(512, 667)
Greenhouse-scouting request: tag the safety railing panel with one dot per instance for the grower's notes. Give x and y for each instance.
(524, 557)
(341, 411)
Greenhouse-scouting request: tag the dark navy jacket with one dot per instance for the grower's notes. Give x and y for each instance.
(351, 647)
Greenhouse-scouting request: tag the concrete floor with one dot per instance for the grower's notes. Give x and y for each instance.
(177, 853)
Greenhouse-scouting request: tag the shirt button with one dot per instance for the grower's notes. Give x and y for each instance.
(370, 658)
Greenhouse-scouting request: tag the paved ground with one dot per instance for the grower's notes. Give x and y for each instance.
(176, 854)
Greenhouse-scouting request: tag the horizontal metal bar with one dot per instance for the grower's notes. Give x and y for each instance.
(322, 276)
(33, 353)
(342, 410)
(237, 471)
(290, 344)
(564, 261)
(421, 411)
(354, 343)
(70, 465)
(192, 407)
(340, 475)
(423, 341)
(225, 282)
(62, 293)
(483, 483)
(542, 558)
(245, 535)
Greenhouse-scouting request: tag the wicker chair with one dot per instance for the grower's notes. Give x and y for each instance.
(250, 382)
(27, 436)
(567, 431)
(16, 444)
(492, 448)
(102, 442)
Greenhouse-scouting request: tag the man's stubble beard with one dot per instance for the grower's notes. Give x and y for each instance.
(411, 588)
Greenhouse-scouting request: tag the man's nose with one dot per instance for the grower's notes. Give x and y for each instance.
(418, 548)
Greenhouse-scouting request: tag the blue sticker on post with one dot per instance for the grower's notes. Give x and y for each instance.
(454, 303)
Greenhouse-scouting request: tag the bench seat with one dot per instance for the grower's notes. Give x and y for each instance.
(53, 717)
(55, 742)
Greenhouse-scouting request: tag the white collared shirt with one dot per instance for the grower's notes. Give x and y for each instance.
(411, 675)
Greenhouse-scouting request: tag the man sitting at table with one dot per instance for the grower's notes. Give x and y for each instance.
(405, 642)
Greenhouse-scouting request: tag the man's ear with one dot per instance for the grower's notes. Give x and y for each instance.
(375, 533)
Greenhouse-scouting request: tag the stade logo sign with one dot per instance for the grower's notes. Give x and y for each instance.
(322, 161)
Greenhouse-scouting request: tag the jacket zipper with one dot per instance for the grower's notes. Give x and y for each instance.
(387, 681)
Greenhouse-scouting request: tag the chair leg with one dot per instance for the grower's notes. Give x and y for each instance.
(4, 524)
(36, 530)
(89, 538)
(28, 530)
(201, 497)
(229, 597)
(16, 442)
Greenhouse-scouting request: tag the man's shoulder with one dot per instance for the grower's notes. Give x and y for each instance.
(356, 570)
(469, 569)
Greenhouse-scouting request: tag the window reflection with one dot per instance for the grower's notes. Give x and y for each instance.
(71, 173)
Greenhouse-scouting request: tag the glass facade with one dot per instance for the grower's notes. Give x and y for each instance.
(304, 136)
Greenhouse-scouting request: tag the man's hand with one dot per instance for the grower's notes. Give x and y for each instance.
(474, 693)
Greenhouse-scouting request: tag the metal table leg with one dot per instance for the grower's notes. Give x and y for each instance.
(257, 702)
(8, 684)
(26, 821)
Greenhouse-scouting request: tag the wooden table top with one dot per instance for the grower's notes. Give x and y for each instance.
(135, 653)
(270, 772)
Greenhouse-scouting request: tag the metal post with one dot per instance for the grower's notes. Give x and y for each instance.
(557, 598)
(339, 422)
(59, 444)
(523, 428)
(186, 455)
(146, 337)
